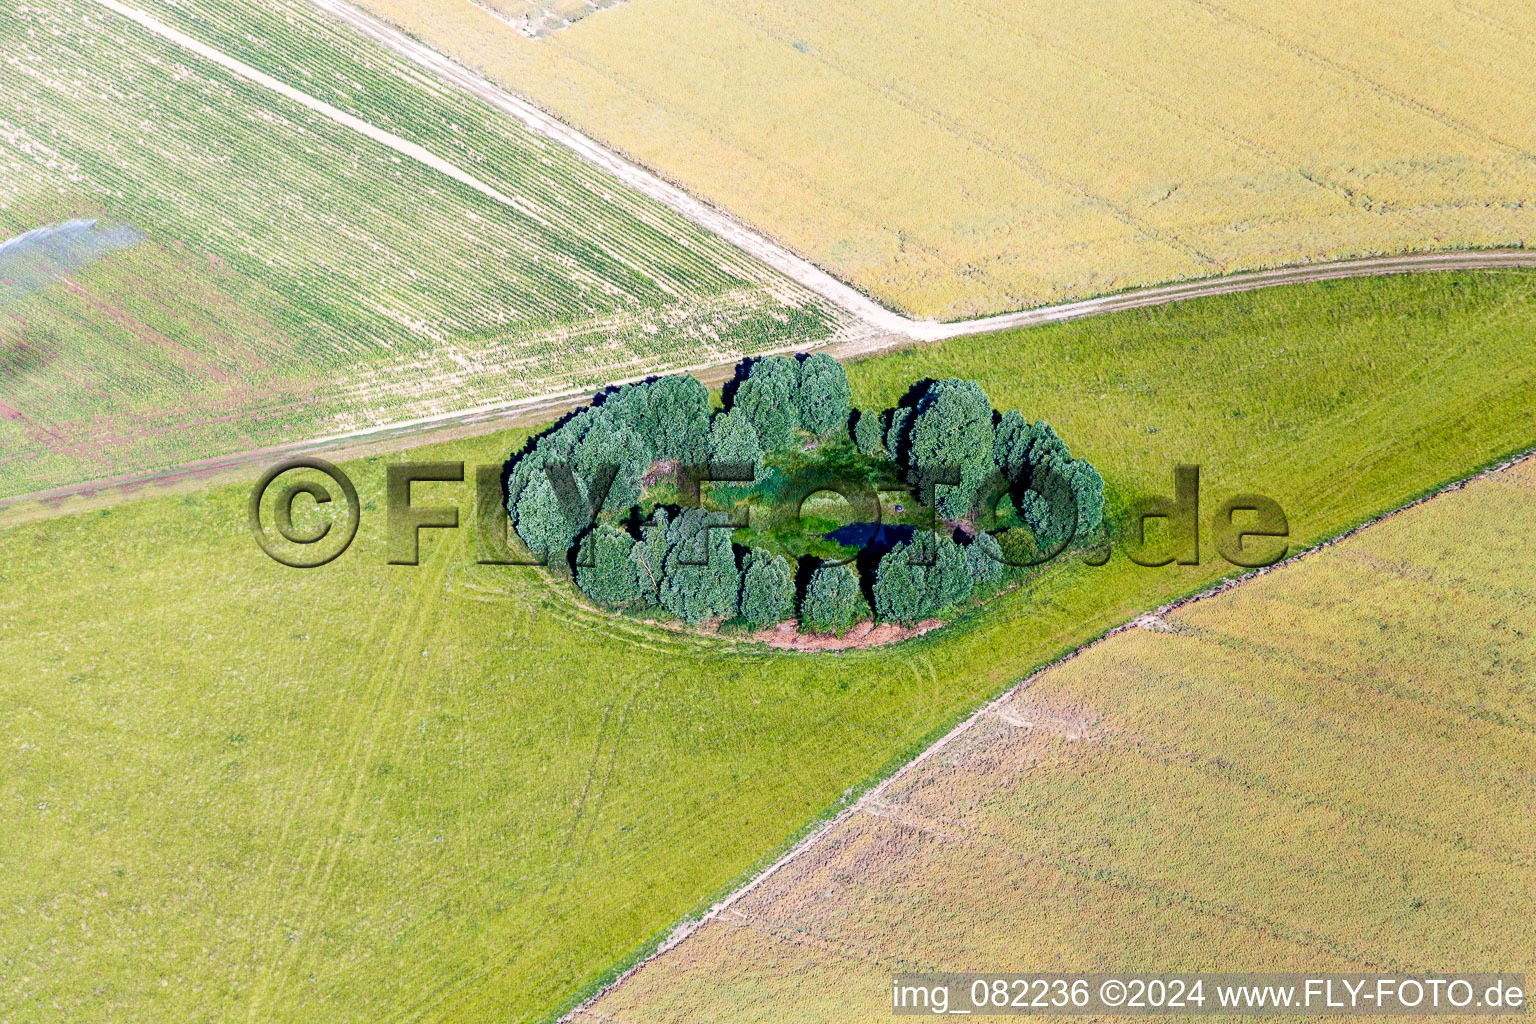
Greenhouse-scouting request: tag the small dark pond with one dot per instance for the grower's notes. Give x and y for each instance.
(877, 538)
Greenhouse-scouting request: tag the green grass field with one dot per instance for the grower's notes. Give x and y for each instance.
(296, 278)
(1324, 769)
(448, 793)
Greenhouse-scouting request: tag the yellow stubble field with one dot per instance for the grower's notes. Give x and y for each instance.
(961, 159)
(1328, 768)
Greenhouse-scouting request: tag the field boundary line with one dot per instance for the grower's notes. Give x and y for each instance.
(538, 121)
(874, 794)
(858, 345)
(1245, 281)
(805, 273)
(492, 416)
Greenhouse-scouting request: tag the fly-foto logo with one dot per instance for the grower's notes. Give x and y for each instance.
(1248, 530)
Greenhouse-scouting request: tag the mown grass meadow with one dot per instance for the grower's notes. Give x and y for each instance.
(1323, 769)
(449, 792)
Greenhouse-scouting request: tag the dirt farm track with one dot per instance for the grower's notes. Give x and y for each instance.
(485, 420)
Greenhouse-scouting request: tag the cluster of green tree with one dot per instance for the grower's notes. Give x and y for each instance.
(593, 461)
(687, 565)
(1037, 465)
(573, 495)
(949, 426)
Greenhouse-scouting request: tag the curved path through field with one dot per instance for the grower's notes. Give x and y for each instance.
(812, 277)
(526, 411)
(722, 224)
(892, 330)
(880, 801)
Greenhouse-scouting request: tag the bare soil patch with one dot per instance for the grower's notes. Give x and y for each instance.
(787, 636)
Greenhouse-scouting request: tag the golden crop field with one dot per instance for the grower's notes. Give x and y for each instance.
(1328, 768)
(962, 159)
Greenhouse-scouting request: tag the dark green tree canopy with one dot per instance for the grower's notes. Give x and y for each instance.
(833, 602)
(1088, 489)
(574, 494)
(897, 422)
(767, 589)
(733, 442)
(613, 577)
(869, 434)
(767, 399)
(699, 574)
(822, 394)
(916, 580)
(984, 559)
(649, 557)
(898, 588)
(1033, 455)
(952, 427)
(947, 581)
(1011, 444)
(609, 444)
(670, 414)
(542, 522)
